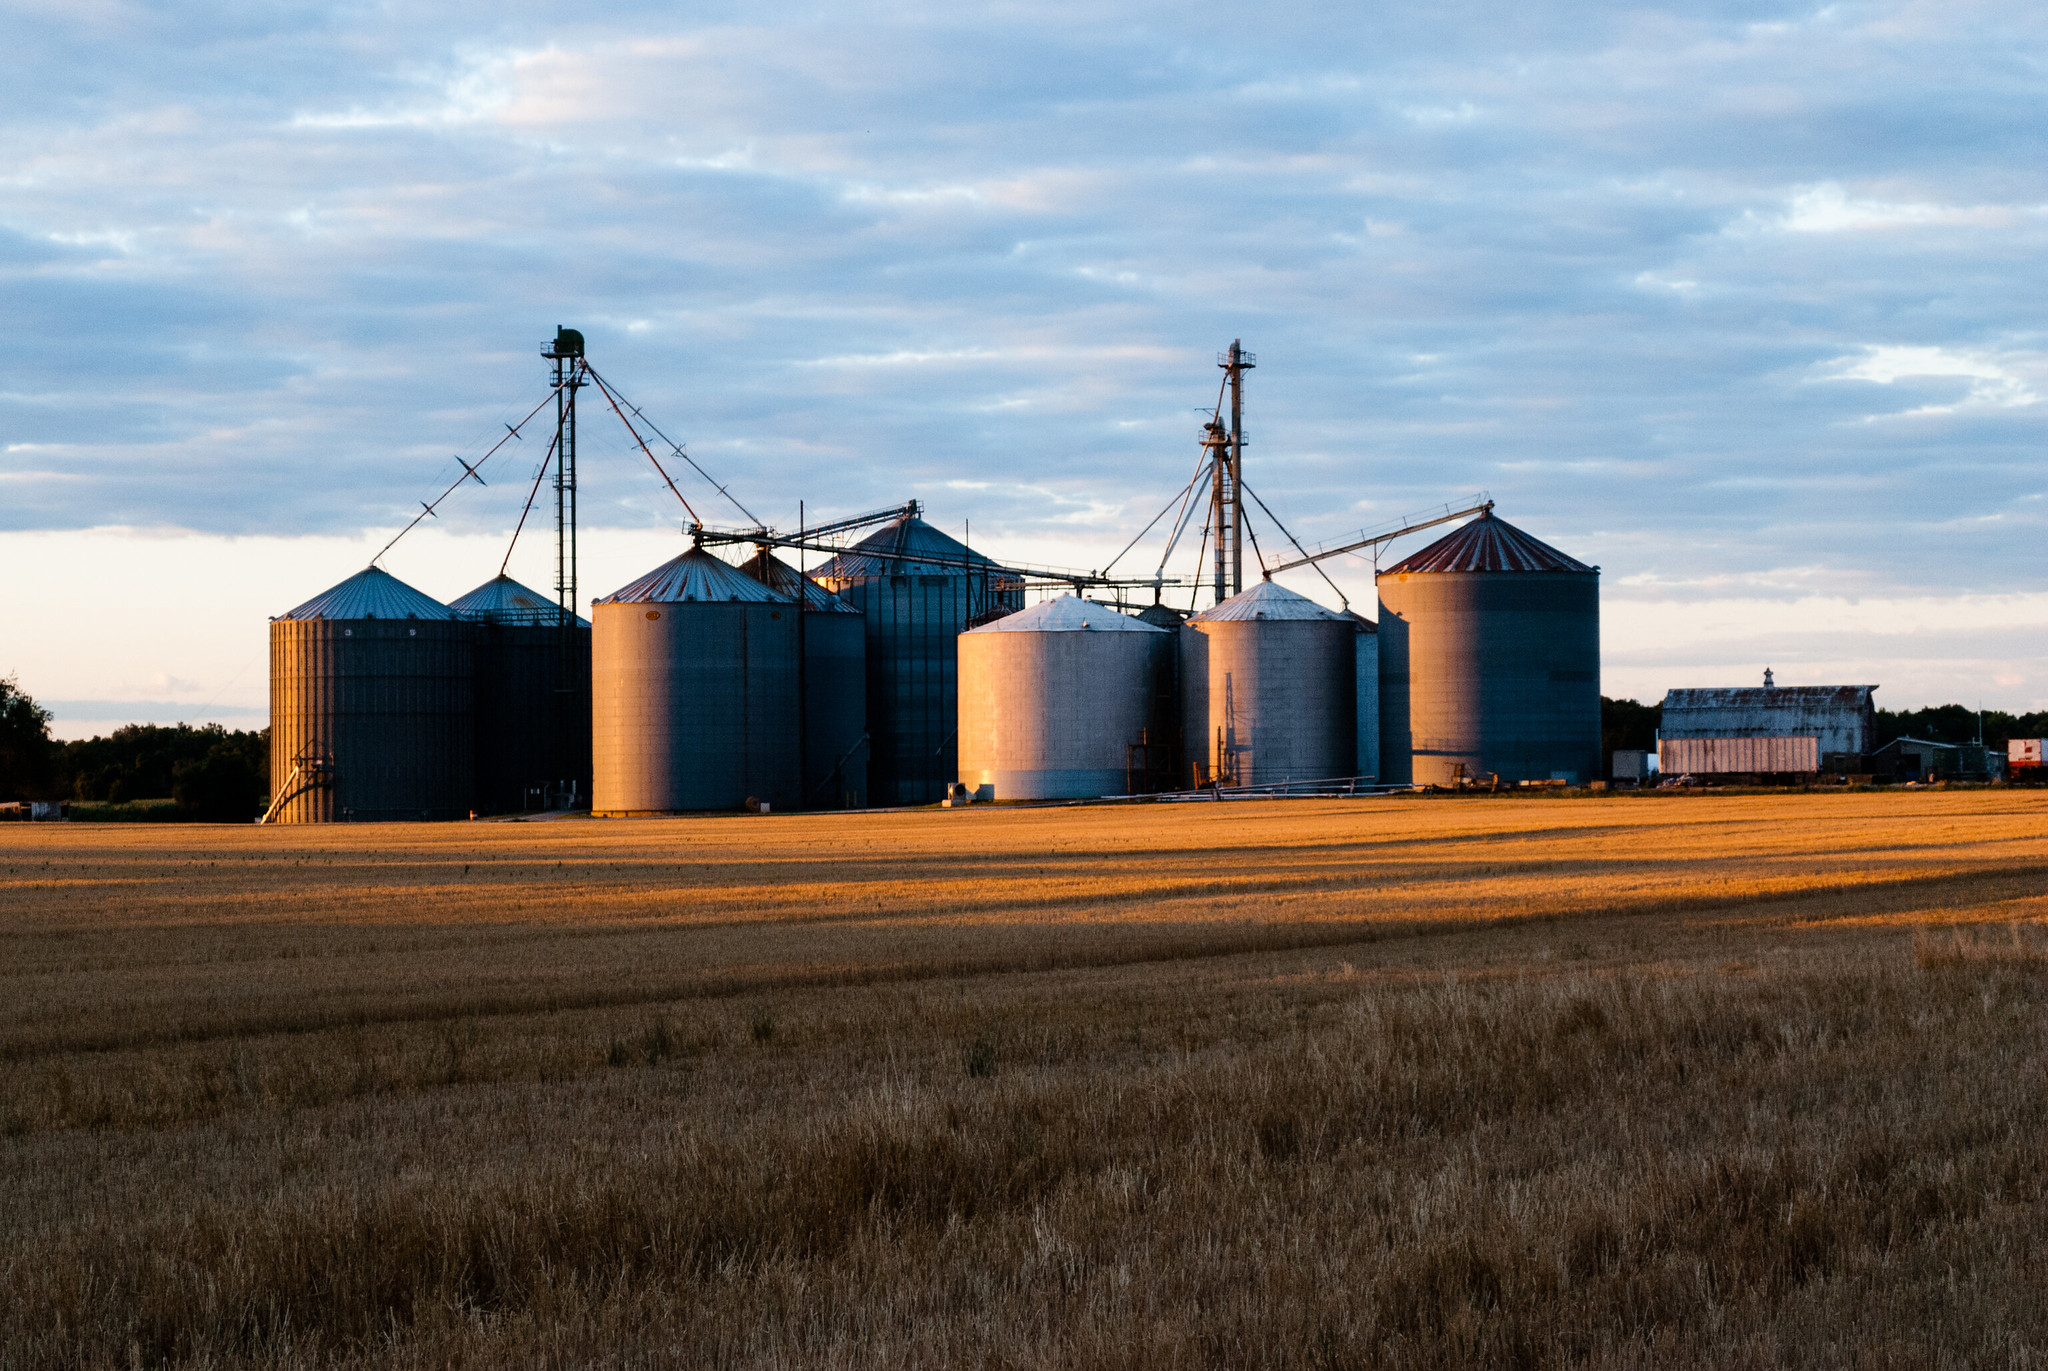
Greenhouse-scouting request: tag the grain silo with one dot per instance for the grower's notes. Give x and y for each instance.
(835, 687)
(694, 701)
(1270, 685)
(1368, 715)
(919, 589)
(371, 706)
(532, 699)
(1057, 701)
(1489, 660)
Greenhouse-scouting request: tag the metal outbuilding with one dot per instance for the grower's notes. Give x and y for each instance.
(694, 692)
(1057, 701)
(835, 687)
(919, 590)
(1269, 681)
(1489, 660)
(1809, 729)
(532, 699)
(372, 706)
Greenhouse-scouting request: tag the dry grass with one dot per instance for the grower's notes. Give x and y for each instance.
(1630, 1082)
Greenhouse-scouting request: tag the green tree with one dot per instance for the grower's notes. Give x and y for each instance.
(1627, 726)
(27, 754)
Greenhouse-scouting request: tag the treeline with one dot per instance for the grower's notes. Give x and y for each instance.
(210, 772)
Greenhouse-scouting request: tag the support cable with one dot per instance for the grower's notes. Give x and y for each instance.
(511, 432)
(1184, 490)
(674, 447)
(1180, 526)
(606, 391)
(1342, 598)
(538, 477)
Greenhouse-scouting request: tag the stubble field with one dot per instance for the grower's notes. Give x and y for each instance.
(1743, 1081)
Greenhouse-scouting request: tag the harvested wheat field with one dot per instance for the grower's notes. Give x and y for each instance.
(1625, 1081)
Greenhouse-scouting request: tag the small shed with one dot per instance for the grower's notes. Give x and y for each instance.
(1919, 759)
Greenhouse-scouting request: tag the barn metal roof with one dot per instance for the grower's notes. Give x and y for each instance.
(1487, 544)
(372, 593)
(502, 600)
(1266, 600)
(895, 549)
(694, 576)
(770, 570)
(1067, 614)
(1767, 698)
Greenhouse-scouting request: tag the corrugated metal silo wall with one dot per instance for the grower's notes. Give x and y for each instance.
(1368, 657)
(1197, 744)
(835, 711)
(531, 733)
(1282, 699)
(1497, 670)
(913, 627)
(1051, 716)
(694, 706)
(391, 701)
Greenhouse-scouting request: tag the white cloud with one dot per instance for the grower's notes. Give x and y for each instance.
(1829, 209)
(1995, 380)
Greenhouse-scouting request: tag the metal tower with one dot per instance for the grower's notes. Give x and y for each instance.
(566, 352)
(1226, 450)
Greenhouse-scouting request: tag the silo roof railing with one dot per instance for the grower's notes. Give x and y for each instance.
(697, 577)
(502, 600)
(1266, 600)
(1067, 614)
(1487, 544)
(371, 593)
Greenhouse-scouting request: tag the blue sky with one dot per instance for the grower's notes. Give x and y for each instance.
(1742, 302)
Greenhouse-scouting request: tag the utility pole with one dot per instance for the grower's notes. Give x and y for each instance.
(566, 352)
(1226, 493)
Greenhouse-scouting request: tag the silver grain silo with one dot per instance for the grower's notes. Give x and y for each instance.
(371, 706)
(532, 699)
(1276, 677)
(1368, 644)
(835, 687)
(1056, 701)
(919, 590)
(1489, 660)
(694, 701)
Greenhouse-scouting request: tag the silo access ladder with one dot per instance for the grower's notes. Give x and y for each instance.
(312, 769)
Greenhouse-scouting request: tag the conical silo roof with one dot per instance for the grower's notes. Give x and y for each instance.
(694, 576)
(770, 570)
(502, 600)
(1266, 600)
(1162, 616)
(1066, 614)
(372, 593)
(896, 550)
(1486, 544)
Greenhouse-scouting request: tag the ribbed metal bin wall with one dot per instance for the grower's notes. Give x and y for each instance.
(694, 692)
(915, 612)
(1280, 690)
(1489, 657)
(835, 688)
(532, 723)
(1052, 698)
(1368, 674)
(389, 701)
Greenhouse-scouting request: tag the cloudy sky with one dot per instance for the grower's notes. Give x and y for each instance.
(1741, 301)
